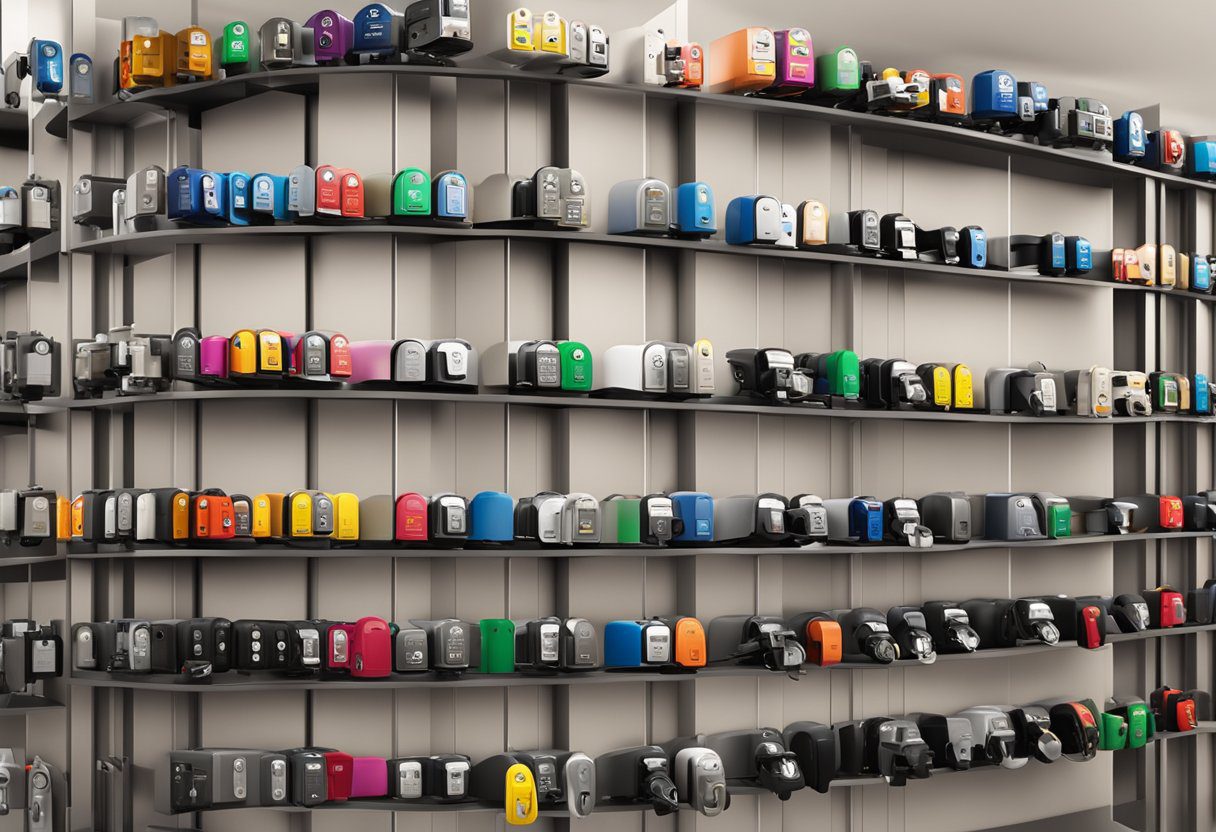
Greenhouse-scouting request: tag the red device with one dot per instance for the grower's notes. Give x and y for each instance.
(339, 773)
(1165, 607)
(410, 519)
(350, 189)
(371, 648)
(1091, 634)
(1171, 512)
(212, 516)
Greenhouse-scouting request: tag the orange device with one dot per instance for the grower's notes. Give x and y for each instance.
(743, 61)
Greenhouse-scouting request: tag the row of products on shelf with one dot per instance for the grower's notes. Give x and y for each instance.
(754, 60)
(697, 771)
(177, 517)
(374, 648)
(128, 362)
(782, 64)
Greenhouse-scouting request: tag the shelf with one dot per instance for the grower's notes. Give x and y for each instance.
(1186, 630)
(155, 243)
(13, 265)
(83, 551)
(20, 704)
(713, 404)
(196, 98)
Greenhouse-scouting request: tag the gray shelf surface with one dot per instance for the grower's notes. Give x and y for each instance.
(154, 243)
(713, 404)
(78, 551)
(196, 98)
(13, 265)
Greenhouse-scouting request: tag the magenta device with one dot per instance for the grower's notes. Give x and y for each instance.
(370, 778)
(795, 60)
(332, 36)
(371, 361)
(213, 356)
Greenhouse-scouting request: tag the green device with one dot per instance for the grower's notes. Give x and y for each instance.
(838, 73)
(497, 645)
(236, 48)
(622, 519)
(575, 364)
(1112, 732)
(412, 193)
(844, 374)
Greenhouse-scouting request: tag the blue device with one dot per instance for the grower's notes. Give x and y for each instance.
(1129, 137)
(80, 88)
(1078, 256)
(1201, 273)
(269, 196)
(994, 95)
(195, 196)
(623, 643)
(695, 510)
(695, 210)
(865, 520)
(377, 29)
(451, 196)
(1201, 159)
(46, 61)
(973, 247)
(743, 217)
(1201, 395)
(1053, 257)
(238, 208)
(1035, 95)
(492, 517)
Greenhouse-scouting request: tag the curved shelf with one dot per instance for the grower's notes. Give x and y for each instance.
(78, 551)
(713, 404)
(197, 98)
(13, 265)
(155, 243)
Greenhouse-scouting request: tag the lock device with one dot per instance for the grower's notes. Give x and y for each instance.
(949, 627)
(743, 61)
(284, 43)
(1173, 709)
(236, 50)
(1129, 137)
(949, 738)
(855, 520)
(1137, 723)
(1129, 390)
(904, 525)
(1164, 150)
(640, 206)
(910, 630)
(992, 736)
(770, 373)
(762, 640)
(93, 198)
(947, 514)
(638, 776)
(658, 368)
(630, 645)
(867, 637)
(442, 778)
(895, 750)
(491, 517)
(1201, 157)
(814, 748)
(333, 37)
(820, 636)
(1166, 607)
(751, 520)
(1006, 622)
(753, 220)
(755, 758)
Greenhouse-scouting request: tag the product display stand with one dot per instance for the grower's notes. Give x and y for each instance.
(374, 281)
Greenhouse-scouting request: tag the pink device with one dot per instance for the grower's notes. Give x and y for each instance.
(371, 361)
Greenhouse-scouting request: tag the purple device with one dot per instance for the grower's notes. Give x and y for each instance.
(371, 361)
(213, 356)
(332, 36)
(369, 777)
(795, 61)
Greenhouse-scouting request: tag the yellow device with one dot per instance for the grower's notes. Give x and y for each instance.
(519, 31)
(262, 516)
(346, 515)
(63, 518)
(78, 517)
(941, 387)
(520, 798)
(270, 352)
(550, 35)
(243, 353)
(703, 356)
(1184, 392)
(1184, 272)
(153, 59)
(298, 511)
(194, 53)
(1167, 274)
(964, 389)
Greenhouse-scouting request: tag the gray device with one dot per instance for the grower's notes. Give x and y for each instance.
(948, 515)
(1011, 517)
(639, 206)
